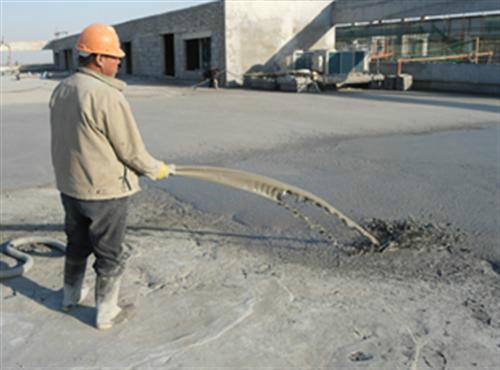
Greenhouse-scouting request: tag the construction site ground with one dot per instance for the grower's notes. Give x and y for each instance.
(225, 279)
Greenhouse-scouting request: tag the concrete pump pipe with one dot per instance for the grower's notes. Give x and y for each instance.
(9, 248)
(268, 188)
(256, 184)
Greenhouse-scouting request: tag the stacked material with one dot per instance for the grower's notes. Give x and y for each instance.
(301, 80)
(390, 82)
(404, 82)
(263, 83)
(294, 83)
(377, 84)
(9, 70)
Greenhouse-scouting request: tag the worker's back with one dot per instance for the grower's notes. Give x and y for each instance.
(84, 159)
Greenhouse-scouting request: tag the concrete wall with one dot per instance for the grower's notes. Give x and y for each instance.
(348, 11)
(146, 38)
(58, 46)
(455, 77)
(260, 34)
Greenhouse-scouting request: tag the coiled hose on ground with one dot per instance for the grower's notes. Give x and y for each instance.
(264, 186)
(10, 249)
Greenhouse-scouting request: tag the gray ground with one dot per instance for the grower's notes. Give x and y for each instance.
(223, 278)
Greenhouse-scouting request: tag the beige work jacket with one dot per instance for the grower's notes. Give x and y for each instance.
(97, 150)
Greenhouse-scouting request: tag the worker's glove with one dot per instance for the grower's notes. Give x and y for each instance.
(165, 171)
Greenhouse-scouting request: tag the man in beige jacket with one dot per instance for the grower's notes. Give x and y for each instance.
(98, 155)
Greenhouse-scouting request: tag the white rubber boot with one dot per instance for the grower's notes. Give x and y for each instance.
(106, 296)
(74, 289)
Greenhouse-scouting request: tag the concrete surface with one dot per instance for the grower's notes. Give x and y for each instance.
(222, 278)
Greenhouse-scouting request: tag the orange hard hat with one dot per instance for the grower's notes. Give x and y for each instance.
(100, 39)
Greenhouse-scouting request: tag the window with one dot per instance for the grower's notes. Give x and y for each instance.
(198, 54)
(415, 45)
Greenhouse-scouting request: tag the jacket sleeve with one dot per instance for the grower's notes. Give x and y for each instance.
(123, 134)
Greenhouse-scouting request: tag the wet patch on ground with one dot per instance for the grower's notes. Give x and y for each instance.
(155, 209)
(411, 234)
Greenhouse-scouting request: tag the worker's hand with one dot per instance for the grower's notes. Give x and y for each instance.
(165, 171)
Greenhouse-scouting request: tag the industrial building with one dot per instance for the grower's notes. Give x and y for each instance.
(234, 37)
(238, 37)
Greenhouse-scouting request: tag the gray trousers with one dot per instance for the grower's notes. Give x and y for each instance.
(98, 227)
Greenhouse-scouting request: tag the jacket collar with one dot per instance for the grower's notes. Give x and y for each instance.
(111, 81)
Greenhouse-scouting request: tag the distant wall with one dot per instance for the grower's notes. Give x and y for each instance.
(455, 77)
(58, 47)
(348, 11)
(147, 45)
(146, 37)
(23, 45)
(260, 34)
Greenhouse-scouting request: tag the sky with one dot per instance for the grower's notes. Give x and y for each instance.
(30, 20)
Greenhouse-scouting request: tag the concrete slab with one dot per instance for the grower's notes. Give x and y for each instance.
(225, 279)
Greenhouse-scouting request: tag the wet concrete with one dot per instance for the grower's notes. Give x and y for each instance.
(444, 177)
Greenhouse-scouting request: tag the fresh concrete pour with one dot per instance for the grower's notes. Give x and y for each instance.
(222, 278)
(266, 187)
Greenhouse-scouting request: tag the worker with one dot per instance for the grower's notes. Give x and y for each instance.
(212, 75)
(98, 155)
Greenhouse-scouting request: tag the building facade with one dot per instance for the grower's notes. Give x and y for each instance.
(238, 37)
(232, 36)
(179, 44)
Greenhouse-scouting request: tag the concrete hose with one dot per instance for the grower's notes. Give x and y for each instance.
(264, 186)
(9, 248)
(268, 188)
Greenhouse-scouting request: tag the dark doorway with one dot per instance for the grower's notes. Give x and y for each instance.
(169, 46)
(57, 61)
(127, 48)
(198, 54)
(68, 59)
(192, 55)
